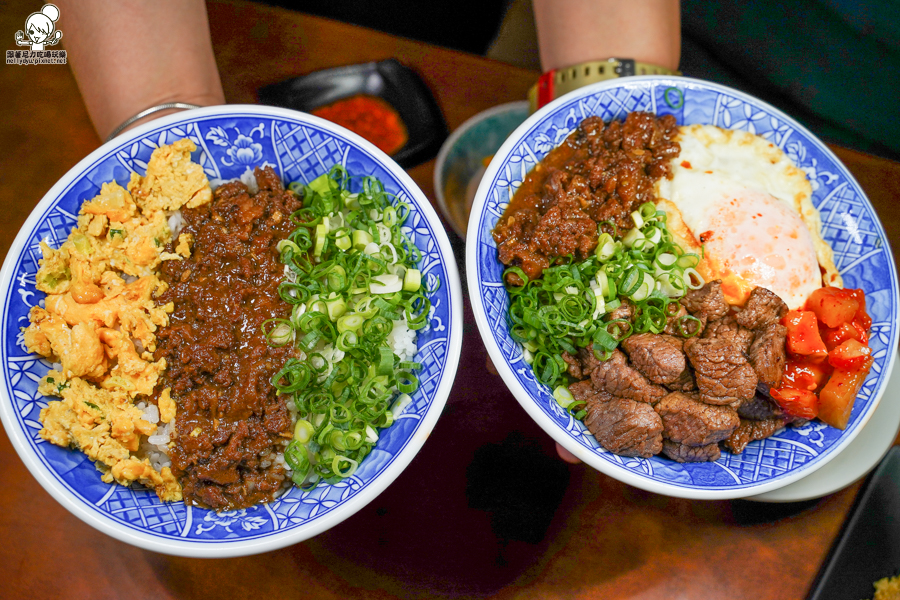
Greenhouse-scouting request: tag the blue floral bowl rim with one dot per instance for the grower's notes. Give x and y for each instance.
(276, 540)
(525, 399)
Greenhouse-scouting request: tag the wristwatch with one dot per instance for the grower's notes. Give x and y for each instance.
(557, 82)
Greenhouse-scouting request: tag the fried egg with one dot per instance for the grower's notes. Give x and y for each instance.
(738, 201)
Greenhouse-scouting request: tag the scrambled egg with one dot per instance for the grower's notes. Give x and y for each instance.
(99, 317)
(887, 588)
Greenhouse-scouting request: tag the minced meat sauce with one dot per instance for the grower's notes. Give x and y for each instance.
(600, 173)
(231, 423)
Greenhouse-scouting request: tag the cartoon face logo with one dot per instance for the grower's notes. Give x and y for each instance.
(40, 29)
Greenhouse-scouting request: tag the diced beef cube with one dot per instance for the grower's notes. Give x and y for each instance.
(625, 427)
(583, 391)
(763, 308)
(618, 378)
(573, 365)
(683, 453)
(728, 328)
(707, 303)
(750, 431)
(672, 322)
(658, 357)
(694, 423)
(767, 354)
(723, 374)
(210, 495)
(588, 361)
(623, 311)
(759, 408)
(684, 383)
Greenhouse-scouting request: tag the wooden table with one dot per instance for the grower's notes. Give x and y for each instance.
(445, 528)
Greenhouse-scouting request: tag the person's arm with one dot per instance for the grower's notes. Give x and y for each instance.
(129, 55)
(571, 32)
(576, 31)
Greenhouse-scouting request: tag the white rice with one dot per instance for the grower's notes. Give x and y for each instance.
(151, 412)
(403, 340)
(176, 222)
(279, 461)
(156, 447)
(249, 179)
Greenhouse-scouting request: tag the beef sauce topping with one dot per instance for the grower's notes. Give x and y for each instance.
(230, 423)
(600, 173)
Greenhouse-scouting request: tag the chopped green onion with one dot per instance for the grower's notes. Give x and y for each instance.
(303, 431)
(320, 184)
(604, 340)
(343, 242)
(693, 279)
(339, 462)
(351, 276)
(386, 361)
(688, 326)
(400, 404)
(606, 247)
(638, 219)
(351, 322)
(563, 396)
(385, 284)
(688, 261)
(412, 280)
(568, 307)
(361, 239)
(280, 333)
(321, 238)
(335, 307)
(632, 237)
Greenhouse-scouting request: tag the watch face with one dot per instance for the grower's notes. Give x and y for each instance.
(624, 66)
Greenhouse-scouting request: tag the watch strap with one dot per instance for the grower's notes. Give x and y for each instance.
(558, 82)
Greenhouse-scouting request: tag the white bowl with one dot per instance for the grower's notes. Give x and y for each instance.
(850, 225)
(229, 139)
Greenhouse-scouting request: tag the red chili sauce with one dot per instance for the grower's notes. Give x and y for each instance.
(369, 116)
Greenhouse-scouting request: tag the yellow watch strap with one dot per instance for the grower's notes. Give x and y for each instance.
(558, 82)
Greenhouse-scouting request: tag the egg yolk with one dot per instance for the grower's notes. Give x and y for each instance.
(763, 241)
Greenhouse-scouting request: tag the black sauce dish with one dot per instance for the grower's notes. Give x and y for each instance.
(396, 84)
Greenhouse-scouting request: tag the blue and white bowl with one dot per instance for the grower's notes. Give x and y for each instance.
(850, 225)
(229, 139)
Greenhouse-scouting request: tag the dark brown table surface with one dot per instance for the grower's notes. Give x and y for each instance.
(486, 509)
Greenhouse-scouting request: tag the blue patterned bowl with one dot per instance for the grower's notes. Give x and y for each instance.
(850, 225)
(229, 139)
